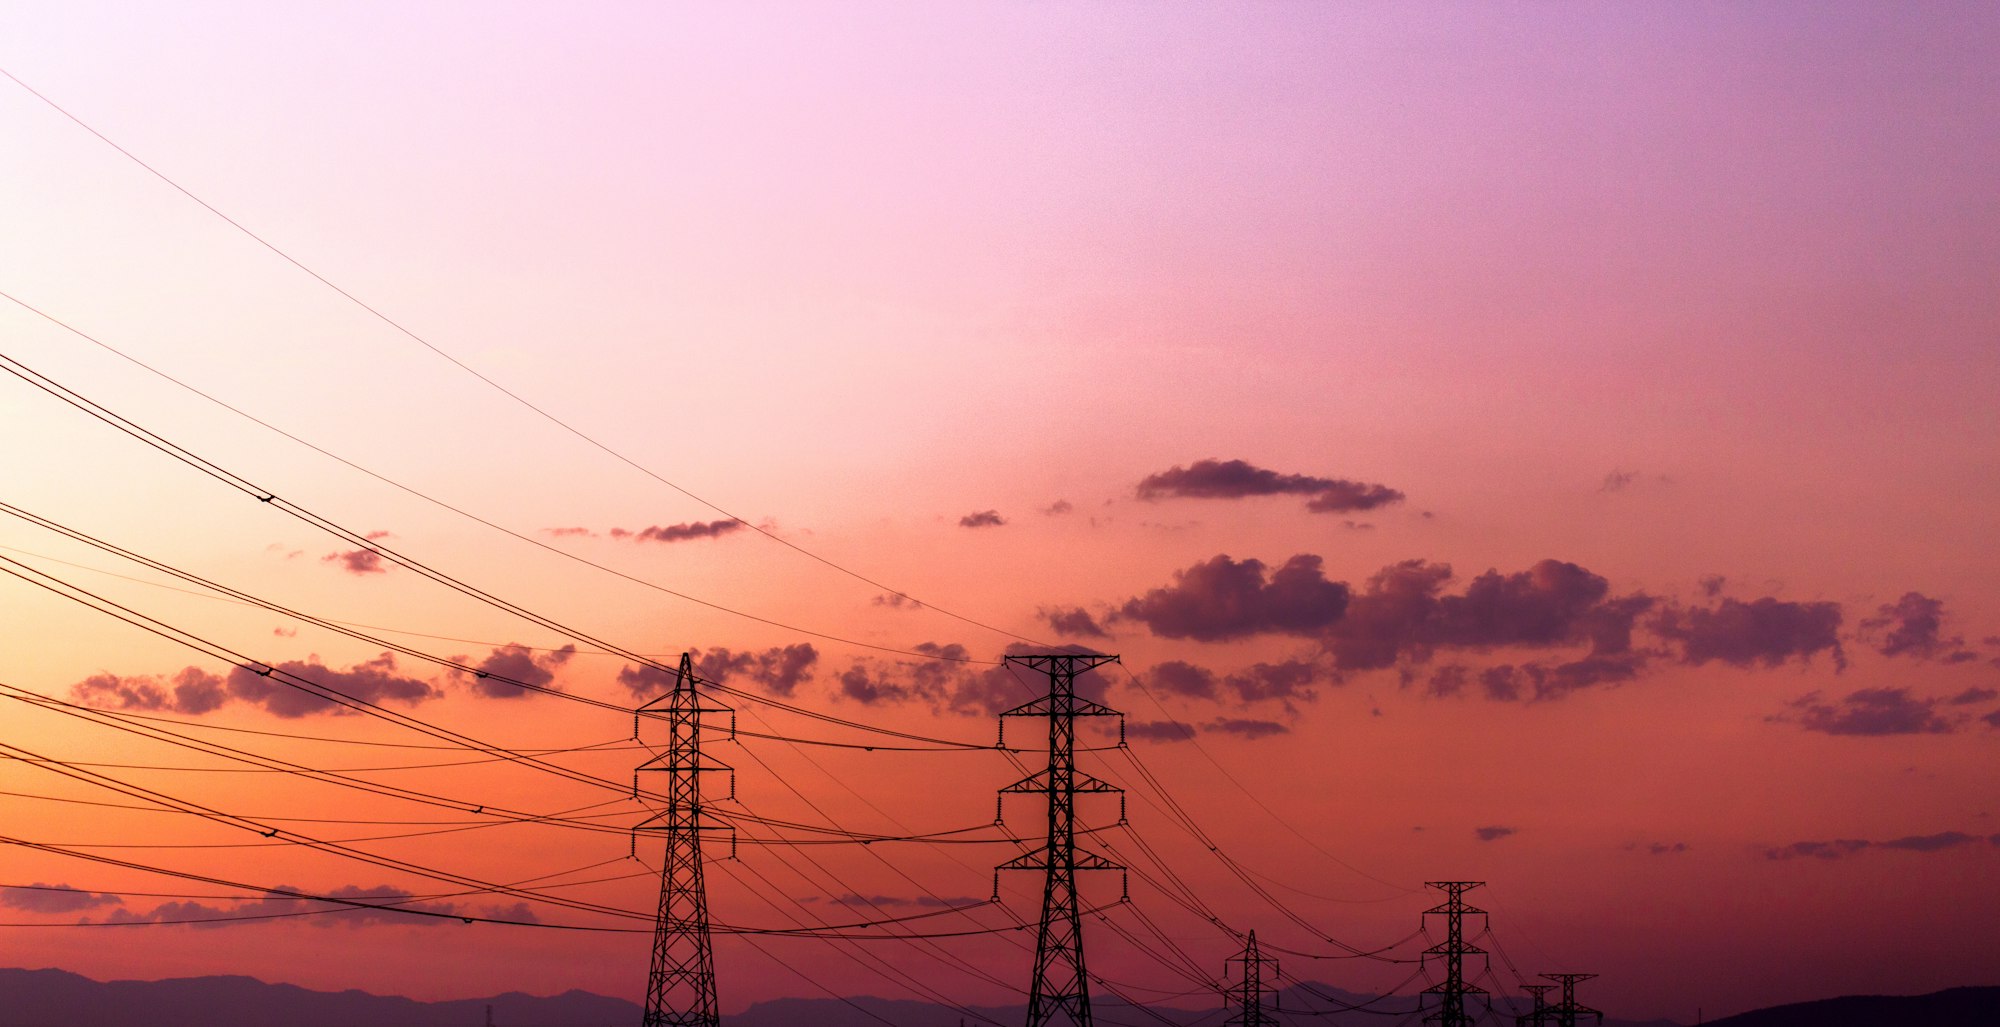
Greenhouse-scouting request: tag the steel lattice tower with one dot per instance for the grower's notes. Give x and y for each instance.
(1566, 1012)
(1539, 1015)
(1454, 949)
(1250, 1011)
(1060, 992)
(680, 987)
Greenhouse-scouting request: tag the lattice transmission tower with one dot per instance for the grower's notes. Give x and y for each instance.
(680, 986)
(1248, 995)
(1538, 1016)
(1568, 1011)
(1454, 948)
(1060, 992)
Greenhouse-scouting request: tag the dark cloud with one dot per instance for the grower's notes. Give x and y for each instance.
(982, 519)
(1221, 599)
(1448, 681)
(1493, 834)
(1843, 847)
(191, 690)
(1764, 631)
(1618, 481)
(1238, 479)
(361, 561)
(1912, 626)
(870, 687)
(1250, 730)
(1711, 586)
(373, 681)
(517, 662)
(1974, 695)
(1072, 622)
(195, 691)
(896, 601)
(1659, 848)
(54, 898)
(779, 669)
(920, 901)
(680, 532)
(1058, 508)
(1870, 711)
(1159, 730)
(1179, 678)
(1287, 681)
(570, 532)
(327, 914)
(1403, 612)
(646, 682)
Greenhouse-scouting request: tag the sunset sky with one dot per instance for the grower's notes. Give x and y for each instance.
(1550, 445)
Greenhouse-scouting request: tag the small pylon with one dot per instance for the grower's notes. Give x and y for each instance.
(1539, 1015)
(680, 985)
(1452, 992)
(1249, 994)
(1567, 1012)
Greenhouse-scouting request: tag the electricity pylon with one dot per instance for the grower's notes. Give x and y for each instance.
(1566, 1012)
(1249, 994)
(680, 987)
(1454, 948)
(1060, 992)
(1539, 1015)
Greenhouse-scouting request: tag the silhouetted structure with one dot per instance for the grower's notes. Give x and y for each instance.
(1539, 1015)
(1250, 992)
(680, 987)
(1060, 992)
(1566, 1012)
(1454, 948)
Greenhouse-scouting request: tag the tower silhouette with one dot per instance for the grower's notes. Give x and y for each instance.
(1249, 993)
(1454, 948)
(1539, 1015)
(1566, 1012)
(680, 986)
(1060, 991)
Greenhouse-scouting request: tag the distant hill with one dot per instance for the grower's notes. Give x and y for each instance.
(56, 998)
(1954, 1007)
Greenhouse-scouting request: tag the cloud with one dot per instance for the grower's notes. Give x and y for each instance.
(1176, 677)
(1870, 711)
(1658, 848)
(54, 898)
(1913, 625)
(1764, 631)
(1618, 481)
(645, 682)
(1072, 622)
(1974, 695)
(191, 690)
(982, 519)
(896, 601)
(779, 669)
(1221, 599)
(1843, 847)
(1493, 834)
(517, 662)
(1058, 508)
(1238, 479)
(1404, 613)
(570, 532)
(680, 532)
(1159, 730)
(1249, 730)
(373, 681)
(1287, 681)
(362, 561)
(327, 914)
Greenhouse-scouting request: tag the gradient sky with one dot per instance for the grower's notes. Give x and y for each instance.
(1670, 330)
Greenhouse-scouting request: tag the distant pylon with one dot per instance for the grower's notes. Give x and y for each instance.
(680, 987)
(1454, 948)
(1249, 993)
(1060, 991)
(1567, 1012)
(1539, 1015)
